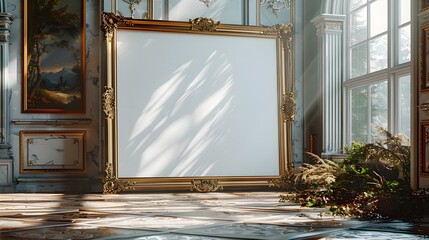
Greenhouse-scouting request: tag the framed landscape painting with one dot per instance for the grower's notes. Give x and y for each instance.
(424, 57)
(53, 56)
(424, 148)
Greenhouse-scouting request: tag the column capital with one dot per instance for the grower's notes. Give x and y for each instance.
(5, 21)
(329, 23)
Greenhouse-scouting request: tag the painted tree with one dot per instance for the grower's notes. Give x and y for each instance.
(48, 23)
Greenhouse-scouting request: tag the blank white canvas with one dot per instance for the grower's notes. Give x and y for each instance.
(196, 105)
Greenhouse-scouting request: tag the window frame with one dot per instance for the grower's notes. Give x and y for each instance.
(391, 74)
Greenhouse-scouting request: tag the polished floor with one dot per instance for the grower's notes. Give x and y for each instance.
(183, 216)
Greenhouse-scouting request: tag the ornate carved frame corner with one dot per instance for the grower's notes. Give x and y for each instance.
(110, 22)
(112, 185)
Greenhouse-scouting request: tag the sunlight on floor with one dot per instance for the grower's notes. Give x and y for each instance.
(204, 216)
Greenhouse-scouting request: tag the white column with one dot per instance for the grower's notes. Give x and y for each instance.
(6, 159)
(5, 21)
(331, 66)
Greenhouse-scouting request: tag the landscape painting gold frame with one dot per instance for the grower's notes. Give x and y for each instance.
(53, 60)
(196, 105)
(424, 148)
(424, 57)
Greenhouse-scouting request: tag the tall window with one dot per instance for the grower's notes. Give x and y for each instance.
(378, 73)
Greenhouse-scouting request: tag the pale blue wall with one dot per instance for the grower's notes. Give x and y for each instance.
(312, 97)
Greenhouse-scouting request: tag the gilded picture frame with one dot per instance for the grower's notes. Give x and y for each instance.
(424, 148)
(52, 152)
(229, 144)
(424, 58)
(53, 61)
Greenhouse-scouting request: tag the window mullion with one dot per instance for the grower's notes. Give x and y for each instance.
(391, 61)
(369, 119)
(392, 33)
(392, 122)
(368, 36)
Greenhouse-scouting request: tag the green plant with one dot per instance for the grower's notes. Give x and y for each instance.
(362, 184)
(391, 152)
(318, 175)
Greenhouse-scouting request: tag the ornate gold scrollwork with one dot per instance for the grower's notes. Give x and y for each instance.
(204, 185)
(108, 100)
(204, 24)
(289, 107)
(110, 22)
(112, 185)
(283, 182)
(285, 31)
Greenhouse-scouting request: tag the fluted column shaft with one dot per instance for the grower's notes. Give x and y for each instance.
(331, 67)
